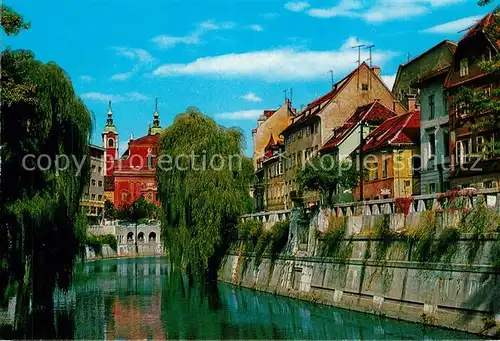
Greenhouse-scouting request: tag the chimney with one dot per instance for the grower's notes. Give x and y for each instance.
(394, 105)
(376, 70)
(412, 104)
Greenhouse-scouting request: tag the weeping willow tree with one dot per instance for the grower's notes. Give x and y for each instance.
(41, 227)
(203, 184)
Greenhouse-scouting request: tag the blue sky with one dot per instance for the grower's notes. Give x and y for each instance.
(229, 58)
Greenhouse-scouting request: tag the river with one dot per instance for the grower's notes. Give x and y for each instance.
(142, 299)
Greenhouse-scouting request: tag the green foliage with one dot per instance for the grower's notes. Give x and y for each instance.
(279, 237)
(326, 174)
(423, 236)
(333, 237)
(250, 229)
(96, 242)
(140, 211)
(495, 255)
(479, 221)
(272, 241)
(202, 200)
(41, 228)
(261, 247)
(485, 107)
(12, 22)
(385, 235)
(109, 210)
(446, 245)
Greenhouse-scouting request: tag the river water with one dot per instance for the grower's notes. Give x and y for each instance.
(128, 299)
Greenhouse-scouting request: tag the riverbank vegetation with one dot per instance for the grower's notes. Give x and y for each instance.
(204, 192)
(41, 231)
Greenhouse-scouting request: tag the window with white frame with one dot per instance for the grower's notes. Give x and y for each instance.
(464, 67)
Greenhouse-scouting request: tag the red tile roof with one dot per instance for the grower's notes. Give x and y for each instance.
(373, 113)
(480, 26)
(399, 130)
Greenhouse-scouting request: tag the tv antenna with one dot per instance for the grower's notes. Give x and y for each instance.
(359, 52)
(285, 92)
(369, 48)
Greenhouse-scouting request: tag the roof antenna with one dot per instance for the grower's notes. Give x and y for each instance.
(370, 47)
(285, 91)
(359, 52)
(291, 96)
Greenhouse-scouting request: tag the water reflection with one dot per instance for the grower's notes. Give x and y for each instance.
(144, 299)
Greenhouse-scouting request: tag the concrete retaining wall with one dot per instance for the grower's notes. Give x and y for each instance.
(453, 294)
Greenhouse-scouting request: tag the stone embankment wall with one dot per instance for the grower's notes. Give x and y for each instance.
(373, 273)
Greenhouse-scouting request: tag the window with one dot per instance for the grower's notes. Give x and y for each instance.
(93, 168)
(150, 160)
(463, 150)
(482, 147)
(432, 188)
(446, 141)
(432, 145)
(364, 86)
(373, 171)
(432, 107)
(99, 169)
(100, 183)
(92, 196)
(111, 143)
(99, 197)
(415, 164)
(464, 67)
(385, 168)
(93, 182)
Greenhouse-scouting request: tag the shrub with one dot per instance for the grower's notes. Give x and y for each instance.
(446, 244)
(333, 236)
(422, 236)
(386, 236)
(96, 242)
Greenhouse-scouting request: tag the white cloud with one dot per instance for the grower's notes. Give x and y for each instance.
(140, 55)
(240, 115)
(453, 26)
(353, 41)
(142, 58)
(345, 8)
(398, 10)
(122, 76)
(193, 38)
(389, 80)
(256, 27)
(128, 97)
(86, 78)
(379, 11)
(296, 6)
(251, 97)
(272, 65)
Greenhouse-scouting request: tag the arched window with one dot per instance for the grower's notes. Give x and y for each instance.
(130, 236)
(152, 237)
(140, 236)
(150, 159)
(111, 142)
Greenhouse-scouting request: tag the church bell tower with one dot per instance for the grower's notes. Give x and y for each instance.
(110, 142)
